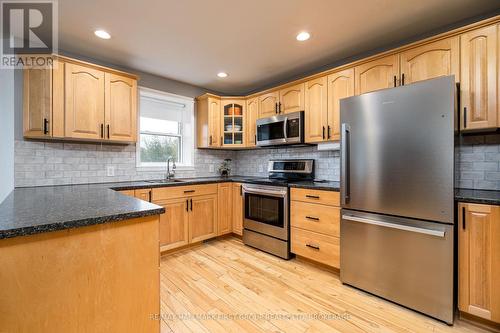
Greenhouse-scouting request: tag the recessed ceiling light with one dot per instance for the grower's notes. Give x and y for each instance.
(222, 74)
(303, 36)
(102, 34)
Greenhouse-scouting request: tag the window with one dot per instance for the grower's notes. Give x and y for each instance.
(165, 129)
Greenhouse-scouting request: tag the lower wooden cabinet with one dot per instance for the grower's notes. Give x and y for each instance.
(315, 246)
(238, 209)
(174, 224)
(479, 260)
(225, 196)
(143, 194)
(202, 218)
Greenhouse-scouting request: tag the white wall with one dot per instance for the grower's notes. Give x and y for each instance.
(6, 132)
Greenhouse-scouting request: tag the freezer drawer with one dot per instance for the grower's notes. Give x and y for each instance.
(409, 262)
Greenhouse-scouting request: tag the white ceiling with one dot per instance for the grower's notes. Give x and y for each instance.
(253, 41)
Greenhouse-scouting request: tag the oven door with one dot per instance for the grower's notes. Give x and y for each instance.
(266, 210)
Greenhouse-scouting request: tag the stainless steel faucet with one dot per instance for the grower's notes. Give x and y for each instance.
(170, 174)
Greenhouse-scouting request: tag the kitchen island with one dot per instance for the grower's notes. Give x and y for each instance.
(78, 258)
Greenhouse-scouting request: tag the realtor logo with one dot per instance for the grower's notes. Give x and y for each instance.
(29, 33)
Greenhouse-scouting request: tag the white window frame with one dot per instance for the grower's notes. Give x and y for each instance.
(187, 130)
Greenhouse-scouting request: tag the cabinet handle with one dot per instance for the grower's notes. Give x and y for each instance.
(189, 191)
(463, 218)
(45, 126)
(312, 218)
(150, 196)
(395, 80)
(276, 107)
(210, 140)
(323, 132)
(255, 141)
(187, 205)
(102, 130)
(191, 204)
(403, 79)
(328, 135)
(279, 107)
(313, 246)
(108, 130)
(241, 191)
(465, 117)
(312, 196)
(221, 142)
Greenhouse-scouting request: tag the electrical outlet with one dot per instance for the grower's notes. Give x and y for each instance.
(110, 170)
(211, 168)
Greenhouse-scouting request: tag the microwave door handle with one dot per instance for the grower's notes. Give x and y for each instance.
(285, 128)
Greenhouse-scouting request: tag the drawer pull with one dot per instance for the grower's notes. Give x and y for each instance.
(312, 218)
(312, 196)
(189, 191)
(313, 246)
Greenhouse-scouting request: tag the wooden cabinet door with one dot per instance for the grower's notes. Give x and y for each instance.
(316, 112)
(202, 217)
(174, 224)
(377, 74)
(267, 104)
(478, 86)
(84, 102)
(214, 116)
(37, 102)
(430, 61)
(237, 209)
(479, 260)
(251, 117)
(340, 85)
(291, 99)
(143, 194)
(120, 108)
(225, 198)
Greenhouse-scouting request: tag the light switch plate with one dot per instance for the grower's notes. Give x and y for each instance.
(110, 170)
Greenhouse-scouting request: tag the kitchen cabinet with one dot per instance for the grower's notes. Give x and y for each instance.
(377, 74)
(174, 223)
(315, 225)
(84, 102)
(233, 122)
(120, 107)
(43, 99)
(268, 104)
(238, 208)
(340, 85)
(129, 193)
(143, 194)
(208, 121)
(184, 191)
(291, 99)
(430, 61)
(252, 114)
(225, 197)
(478, 86)
(479, 260)
(202, 217)
(316, 110)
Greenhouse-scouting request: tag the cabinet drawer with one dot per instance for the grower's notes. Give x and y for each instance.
(314, 217)
(316, 196)
(317, 247)
(173, 192)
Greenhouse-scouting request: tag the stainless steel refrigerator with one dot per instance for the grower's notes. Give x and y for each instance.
(397, 165)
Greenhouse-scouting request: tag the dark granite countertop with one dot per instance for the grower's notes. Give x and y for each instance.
(477, 196)
(33, 210)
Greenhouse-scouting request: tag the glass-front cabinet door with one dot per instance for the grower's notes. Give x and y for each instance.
(233, 123)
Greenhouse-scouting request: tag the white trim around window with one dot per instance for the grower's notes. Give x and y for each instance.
(187, 131)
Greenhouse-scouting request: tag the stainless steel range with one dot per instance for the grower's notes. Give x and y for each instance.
(267, 223)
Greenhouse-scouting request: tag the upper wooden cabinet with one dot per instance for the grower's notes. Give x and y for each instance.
(268, 104)
(479, 260)
(291, 99)
(377, 74)
(478, 85)
(208, 121)
(120, 107)
(252, 114)
(84, 108)
(340, 85)
(76, 100)
(233, 122)
(431, 60)
(316, 113)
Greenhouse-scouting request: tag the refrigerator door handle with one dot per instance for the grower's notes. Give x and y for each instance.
(344, 175)
(436, 233)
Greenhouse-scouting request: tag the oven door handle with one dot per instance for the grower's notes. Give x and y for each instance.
(278, 194)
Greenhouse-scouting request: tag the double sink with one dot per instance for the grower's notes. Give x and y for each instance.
(164, 181)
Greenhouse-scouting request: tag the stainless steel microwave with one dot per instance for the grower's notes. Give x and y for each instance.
(284, 129)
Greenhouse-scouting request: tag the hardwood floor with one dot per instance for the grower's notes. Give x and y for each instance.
(225, 286)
